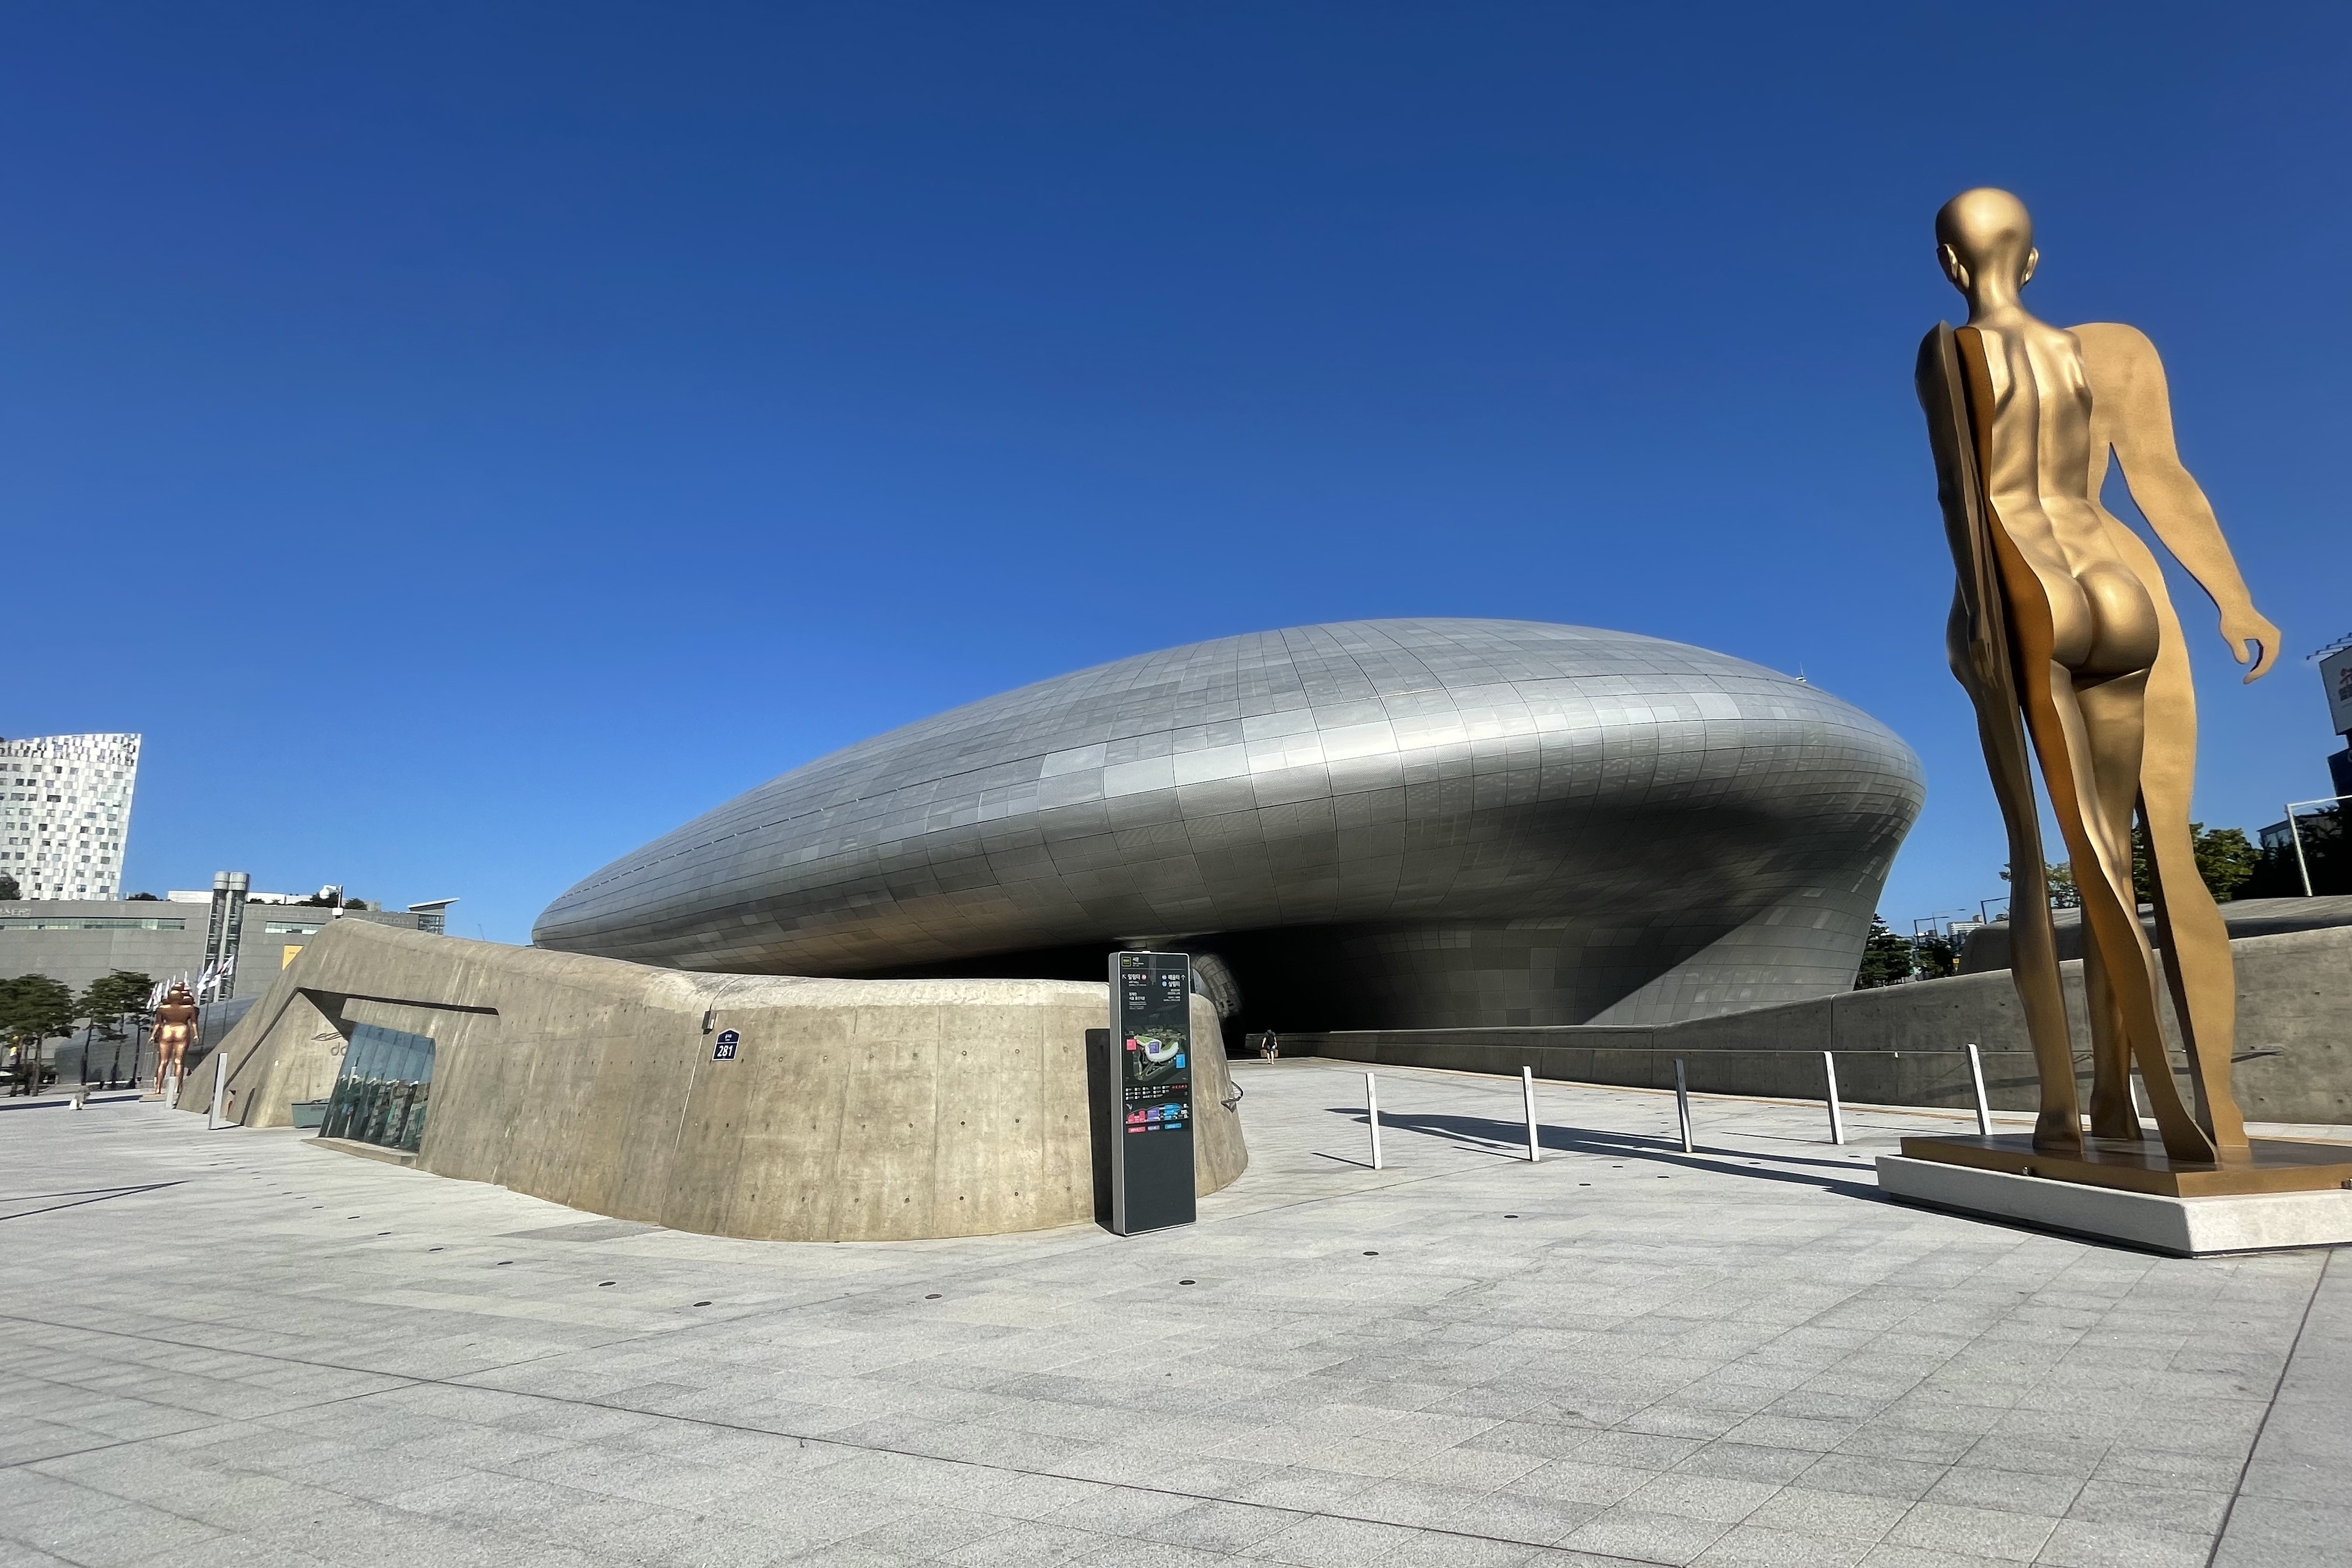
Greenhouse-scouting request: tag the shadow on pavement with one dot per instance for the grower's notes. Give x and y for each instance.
(1488, 1134)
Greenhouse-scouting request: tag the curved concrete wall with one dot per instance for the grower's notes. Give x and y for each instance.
(855, 1110)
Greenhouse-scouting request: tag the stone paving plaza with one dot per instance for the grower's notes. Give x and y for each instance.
(232, 1348)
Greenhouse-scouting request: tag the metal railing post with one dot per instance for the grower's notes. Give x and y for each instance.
(1976, 1078)
(1682, 1105)
(1837, 1117)
(1372, 1115)
(1527, 1094)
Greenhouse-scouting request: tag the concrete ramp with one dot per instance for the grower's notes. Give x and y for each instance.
(850, 1110)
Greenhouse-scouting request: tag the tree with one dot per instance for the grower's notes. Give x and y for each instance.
(124, 991)
(355, 903)
(2225, 858)
(2060, 876)
(2224, 861)
(33, 1009)
(1886, 958)
(2325, 852)
(8, 888)
(1934, 955)
(143, 899)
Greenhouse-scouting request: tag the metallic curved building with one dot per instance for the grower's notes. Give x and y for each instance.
(1408, 823)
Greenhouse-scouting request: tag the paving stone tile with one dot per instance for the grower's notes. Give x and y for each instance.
(1322, 1541)
(2266, 1532)
(1846, 1516)
(2105, 1543)
(1718, 1498)
(1887, 1555)
(1128, 1553)
(1746, 1462)
(1868, 1475)
(1216, 1526)
(1982, 1531)
(1628, 1532)
(1756, 1546)
(1572, 1480)
(1515, 1516)
(2014, 1491)
(1304, 1488)
(2164, 1507)
(1417, 1503)
(1118, 1510)
(1024, 1544)
(1643, 1450)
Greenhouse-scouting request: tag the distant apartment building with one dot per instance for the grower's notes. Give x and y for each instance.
(65, 815)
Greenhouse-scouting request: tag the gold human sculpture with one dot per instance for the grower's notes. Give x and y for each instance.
(175, 1031)
(2062, 632)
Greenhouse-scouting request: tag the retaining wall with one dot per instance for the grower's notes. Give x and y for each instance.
(2293, 1062)
(854, 1111)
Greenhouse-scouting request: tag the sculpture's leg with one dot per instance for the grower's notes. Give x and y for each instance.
(2089, 742)
(2202, 977)
(2113, 1114)
(2198, 965)
(2034, 953)
(2032, 947)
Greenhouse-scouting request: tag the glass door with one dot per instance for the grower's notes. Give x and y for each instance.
(383, 1093)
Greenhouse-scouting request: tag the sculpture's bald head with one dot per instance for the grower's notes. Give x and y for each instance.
(1985, 236)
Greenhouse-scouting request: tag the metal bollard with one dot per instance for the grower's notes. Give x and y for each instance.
(1527, 1094)
(1984, 1106)
(1373, 1114)
(1837, 1118)
(1682, 1106)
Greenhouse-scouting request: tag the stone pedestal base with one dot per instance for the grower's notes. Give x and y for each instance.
(2184, 1226)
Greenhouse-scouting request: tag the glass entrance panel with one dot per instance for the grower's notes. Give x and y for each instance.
(382, 1092)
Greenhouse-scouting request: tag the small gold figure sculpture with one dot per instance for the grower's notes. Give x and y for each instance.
(2063, 621)
(175, 1031)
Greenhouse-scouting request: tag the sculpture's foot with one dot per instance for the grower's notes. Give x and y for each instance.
(2114, 1116)
(2058, 1132)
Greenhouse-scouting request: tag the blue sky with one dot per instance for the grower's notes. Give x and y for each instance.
(468, 441)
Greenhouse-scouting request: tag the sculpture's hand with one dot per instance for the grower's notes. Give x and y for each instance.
(2246, 624)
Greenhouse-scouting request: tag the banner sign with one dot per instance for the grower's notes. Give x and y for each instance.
(2336, 670)
(1152, 1130)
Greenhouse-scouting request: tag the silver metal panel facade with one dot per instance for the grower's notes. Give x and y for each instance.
(1399, 824)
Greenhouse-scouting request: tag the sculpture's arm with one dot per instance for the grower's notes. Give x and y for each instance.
(2131, 410)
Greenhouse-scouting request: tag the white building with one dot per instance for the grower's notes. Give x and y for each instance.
(64, 813)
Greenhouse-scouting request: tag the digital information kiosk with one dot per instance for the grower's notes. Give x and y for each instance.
(1146, 1119)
